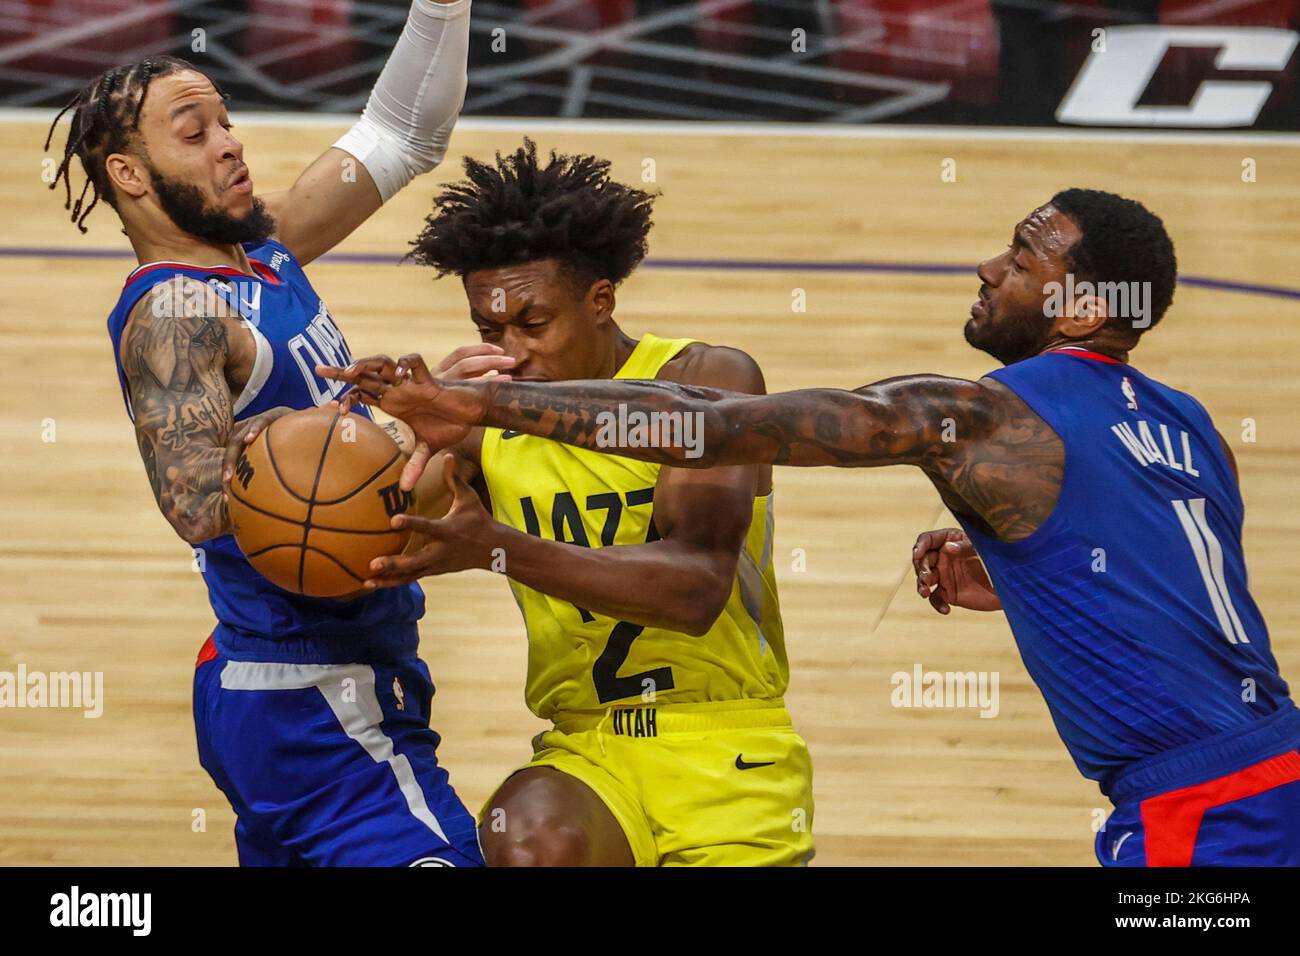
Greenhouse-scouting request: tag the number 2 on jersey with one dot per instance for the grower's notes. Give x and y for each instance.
(609, 685)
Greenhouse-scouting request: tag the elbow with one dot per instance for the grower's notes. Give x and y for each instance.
(193, 536)
(194, 529)
(698, 625)
(702, 606)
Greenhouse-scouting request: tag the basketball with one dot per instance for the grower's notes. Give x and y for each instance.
(311, 501)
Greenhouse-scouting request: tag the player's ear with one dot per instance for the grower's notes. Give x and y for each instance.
(1084, 316)
(126, 174)
(600, 298)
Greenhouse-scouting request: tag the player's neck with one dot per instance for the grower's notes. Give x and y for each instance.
(183, 247)
(1101, 344)
(621, 349)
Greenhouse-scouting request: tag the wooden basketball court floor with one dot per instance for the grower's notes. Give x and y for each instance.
(93, 579)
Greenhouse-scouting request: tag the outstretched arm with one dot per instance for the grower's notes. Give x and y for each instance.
(911, 420)
(917, 419)
(402, 133)
(984, 449)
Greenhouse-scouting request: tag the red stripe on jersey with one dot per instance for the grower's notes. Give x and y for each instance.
(207, 652)
(262, 270)
(1173, 819)
(265, 271)
(1084, 353)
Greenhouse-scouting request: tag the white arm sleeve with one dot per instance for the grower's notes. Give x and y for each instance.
(408, 119)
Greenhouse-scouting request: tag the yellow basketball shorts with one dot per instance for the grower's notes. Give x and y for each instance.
(695, 784)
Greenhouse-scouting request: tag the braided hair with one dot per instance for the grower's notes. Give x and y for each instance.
(106, 120)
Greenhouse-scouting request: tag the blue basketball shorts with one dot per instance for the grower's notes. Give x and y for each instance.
(329, 764)
(1228, 801)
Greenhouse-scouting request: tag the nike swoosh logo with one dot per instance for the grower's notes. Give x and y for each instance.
(507, 435)
(1114, 853)
(742, 765)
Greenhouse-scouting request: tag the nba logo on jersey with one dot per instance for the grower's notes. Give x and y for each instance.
(1127, 388)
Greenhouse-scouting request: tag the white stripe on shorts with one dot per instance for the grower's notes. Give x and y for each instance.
(359, 717)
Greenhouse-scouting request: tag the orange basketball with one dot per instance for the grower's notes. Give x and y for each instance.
(311, 499)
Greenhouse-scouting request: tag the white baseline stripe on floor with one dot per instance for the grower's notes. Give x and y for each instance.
(525, 124)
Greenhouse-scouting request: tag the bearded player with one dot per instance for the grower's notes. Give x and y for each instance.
(655, 643)
(1155, 664)
(312, 715)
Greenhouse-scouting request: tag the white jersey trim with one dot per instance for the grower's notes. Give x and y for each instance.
(262, 366)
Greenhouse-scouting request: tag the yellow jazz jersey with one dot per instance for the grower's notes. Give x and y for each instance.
(579, 660)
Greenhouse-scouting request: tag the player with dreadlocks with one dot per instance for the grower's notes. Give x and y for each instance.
(312, 715)
(655, 646)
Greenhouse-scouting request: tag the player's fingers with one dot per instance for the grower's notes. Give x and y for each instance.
(938, 603)
(406, 522)
(955, 564)
(373, 388)
(930, 569)
(926, 542)
(336, 372)
(350, 400)
(411, 368)
(477, 365)
(377, 380)
(389, 581)
(927, 574)
(357, 396)
(368, 382)
(462, 495)
(362, 397)
(397, 569)
(379, 368)
(377, 365)
(464, 352)
(242, 435)
(949, 569)
(922, 543)
(415, 465)
(960, 548)
(234, 449)
(924, 576)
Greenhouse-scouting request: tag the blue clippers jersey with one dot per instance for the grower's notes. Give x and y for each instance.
(294, 333)
(1130, 603)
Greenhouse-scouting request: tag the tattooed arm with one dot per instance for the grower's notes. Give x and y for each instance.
(175, 367)
(987, 453)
